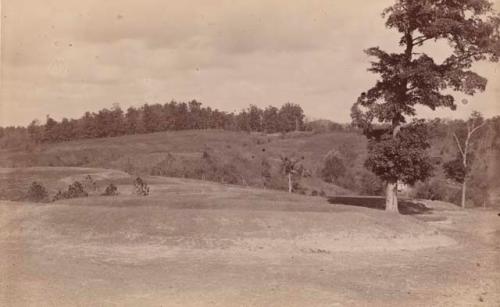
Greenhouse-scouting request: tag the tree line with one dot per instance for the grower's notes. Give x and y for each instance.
(150, 118)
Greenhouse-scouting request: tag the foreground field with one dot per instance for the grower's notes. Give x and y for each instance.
(194, 243)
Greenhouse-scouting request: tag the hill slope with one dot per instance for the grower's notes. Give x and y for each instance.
(223, 156)
(249, 159)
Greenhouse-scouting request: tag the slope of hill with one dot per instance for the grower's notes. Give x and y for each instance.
(248, 159)
(216, 155)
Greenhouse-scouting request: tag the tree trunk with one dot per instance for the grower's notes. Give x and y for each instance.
(289, 182)
(463, 193)
(391, 197)
(391, 189)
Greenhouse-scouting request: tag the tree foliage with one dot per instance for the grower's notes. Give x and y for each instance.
(456, 170)
(410, 78)
(413, 78)
(333, 167)
(401, 158)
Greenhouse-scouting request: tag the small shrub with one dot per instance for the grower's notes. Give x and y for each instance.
(37, 192)
(111, 190)
(314, 193)
(322, 193)
(75, 190)
(90, 184)
(141, 187)
(59, 195)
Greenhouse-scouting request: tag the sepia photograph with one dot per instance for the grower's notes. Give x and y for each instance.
(229, 153)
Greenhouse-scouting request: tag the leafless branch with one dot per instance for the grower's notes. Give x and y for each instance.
(474, 129)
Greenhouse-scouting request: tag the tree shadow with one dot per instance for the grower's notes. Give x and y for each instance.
(405, 206)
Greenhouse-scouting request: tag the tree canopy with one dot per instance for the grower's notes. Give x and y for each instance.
(412, 77)
(150, 118)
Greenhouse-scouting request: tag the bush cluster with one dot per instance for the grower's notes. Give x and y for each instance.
(75, 190)
(435, 189)
(111, 190)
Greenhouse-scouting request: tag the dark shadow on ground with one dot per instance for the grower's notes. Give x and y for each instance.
(406, 206)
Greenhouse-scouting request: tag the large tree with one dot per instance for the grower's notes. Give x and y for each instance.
(412, 77)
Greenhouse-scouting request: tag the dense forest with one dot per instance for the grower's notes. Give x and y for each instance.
(150, 118)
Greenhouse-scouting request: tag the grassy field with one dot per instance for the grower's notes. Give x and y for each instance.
(199, 243)
(233, 157)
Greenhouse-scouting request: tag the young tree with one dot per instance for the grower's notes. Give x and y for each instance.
(50, 130)
(290, 167)
(412, 77)
(459, 168)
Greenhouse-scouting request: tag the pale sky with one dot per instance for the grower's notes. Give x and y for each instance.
(65, 57)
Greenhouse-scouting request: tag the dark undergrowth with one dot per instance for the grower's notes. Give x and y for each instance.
(406, 206)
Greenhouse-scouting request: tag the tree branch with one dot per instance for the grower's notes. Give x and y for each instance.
(420, 39)
(458, 145)
(477, 127)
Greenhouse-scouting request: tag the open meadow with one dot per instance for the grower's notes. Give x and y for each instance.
(199, 243)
